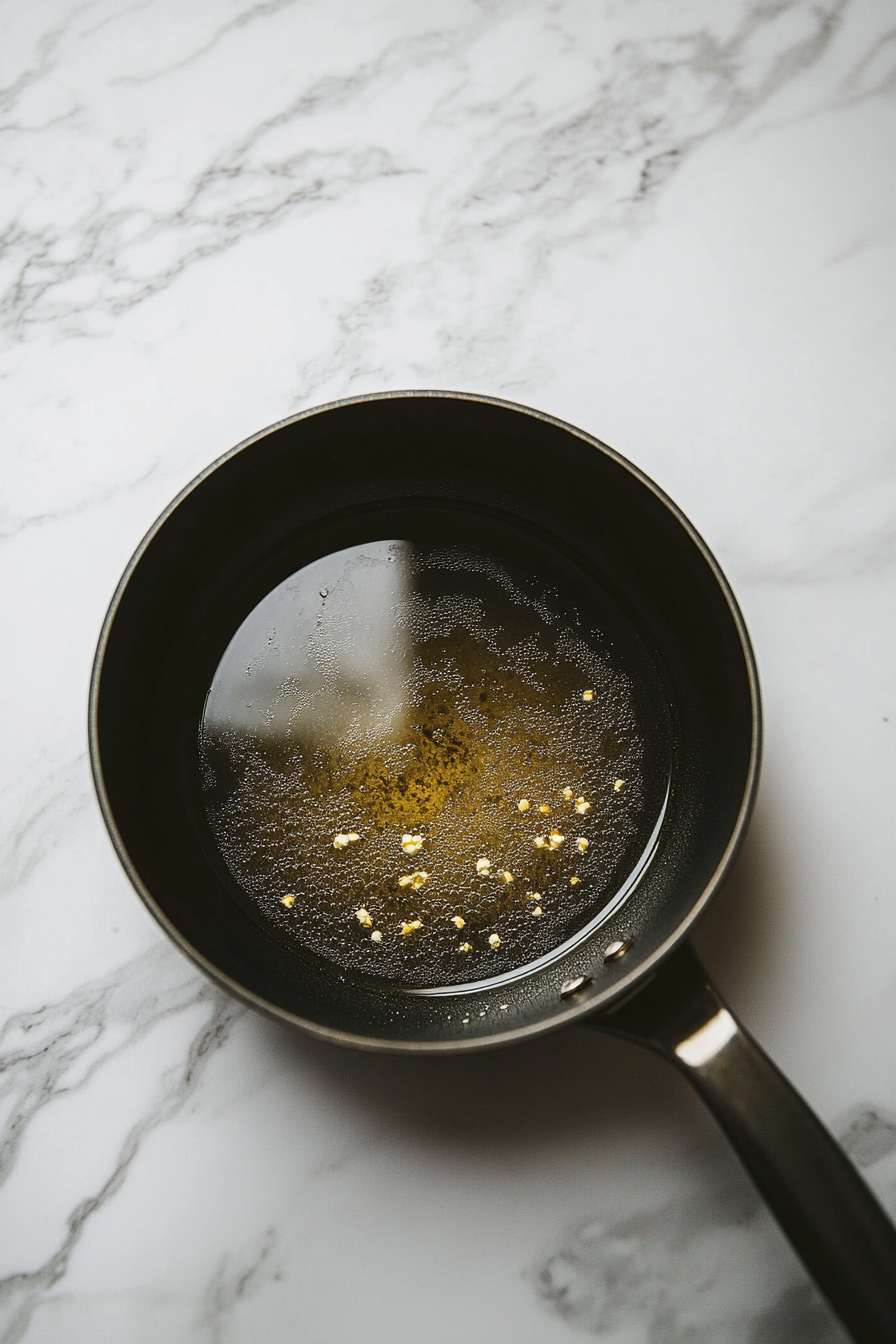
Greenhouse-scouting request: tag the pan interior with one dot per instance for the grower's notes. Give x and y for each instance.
(431, 765)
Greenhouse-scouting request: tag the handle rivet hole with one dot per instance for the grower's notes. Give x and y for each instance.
(570, 987)
(613, 951)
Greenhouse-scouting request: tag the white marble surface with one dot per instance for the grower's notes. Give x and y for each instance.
(673, 223)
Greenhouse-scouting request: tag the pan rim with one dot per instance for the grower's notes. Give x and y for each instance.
(574, 1012)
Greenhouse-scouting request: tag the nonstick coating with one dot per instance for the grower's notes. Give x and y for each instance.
(414, 463)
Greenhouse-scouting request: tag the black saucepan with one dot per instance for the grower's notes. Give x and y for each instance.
(424, 464)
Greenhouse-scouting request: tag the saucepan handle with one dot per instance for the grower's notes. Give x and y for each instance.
(835, 1223)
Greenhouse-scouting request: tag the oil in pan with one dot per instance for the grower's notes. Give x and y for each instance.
(420, 764)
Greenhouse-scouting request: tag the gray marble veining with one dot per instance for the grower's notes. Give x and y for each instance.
(706, 1267)
(672, 224)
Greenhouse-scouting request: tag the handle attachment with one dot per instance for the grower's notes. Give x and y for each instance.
(831, 1217)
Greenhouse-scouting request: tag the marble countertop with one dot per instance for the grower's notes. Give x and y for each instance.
(671, 222)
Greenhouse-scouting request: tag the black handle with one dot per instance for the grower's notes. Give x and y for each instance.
(836, 1225)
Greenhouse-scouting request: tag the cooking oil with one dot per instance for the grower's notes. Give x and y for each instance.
(429, 766)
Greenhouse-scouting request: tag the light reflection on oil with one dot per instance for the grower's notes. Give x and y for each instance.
(371, 732)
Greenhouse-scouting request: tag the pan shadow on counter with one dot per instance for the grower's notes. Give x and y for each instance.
(701, 1263)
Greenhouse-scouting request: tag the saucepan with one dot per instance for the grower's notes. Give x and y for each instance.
(419, 465)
